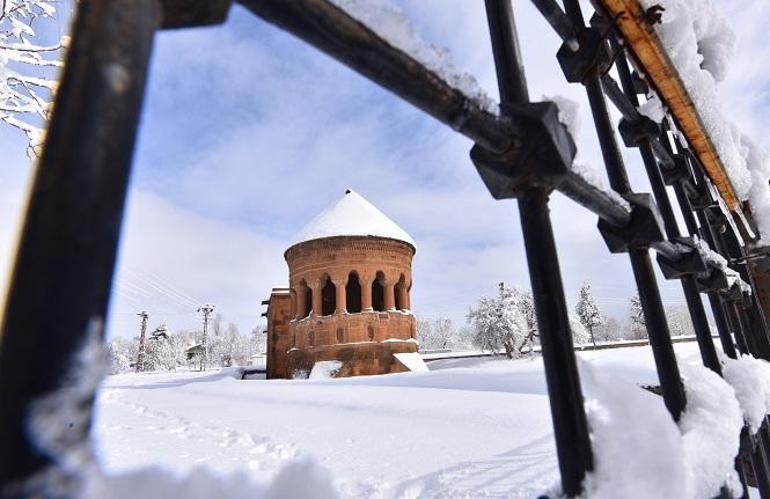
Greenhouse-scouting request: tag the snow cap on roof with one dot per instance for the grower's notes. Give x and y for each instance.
(352, 215)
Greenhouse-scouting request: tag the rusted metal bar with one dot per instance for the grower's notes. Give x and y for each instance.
(63, 272)
(649, 294)
(573, 446)
(332, 30)
(648, 50)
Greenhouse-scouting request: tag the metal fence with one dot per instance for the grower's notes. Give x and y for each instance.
(63, 272)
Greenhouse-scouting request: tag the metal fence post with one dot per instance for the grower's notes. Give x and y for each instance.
(564, 391)
(63, 272)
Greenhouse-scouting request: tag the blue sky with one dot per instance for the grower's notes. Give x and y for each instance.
(248, 133)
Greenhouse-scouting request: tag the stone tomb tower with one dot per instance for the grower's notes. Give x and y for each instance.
(350, 276)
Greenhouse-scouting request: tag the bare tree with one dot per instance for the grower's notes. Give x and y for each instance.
(28, 68)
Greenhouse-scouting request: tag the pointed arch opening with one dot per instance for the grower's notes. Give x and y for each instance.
(353, 293)
(378, 292)
(307, 305)
(328, 297)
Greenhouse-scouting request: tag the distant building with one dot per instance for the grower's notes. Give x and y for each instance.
(350, 275)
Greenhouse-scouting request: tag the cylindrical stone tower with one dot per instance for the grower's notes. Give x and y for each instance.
(350, 277)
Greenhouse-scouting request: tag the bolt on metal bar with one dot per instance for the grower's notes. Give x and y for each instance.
(573, 445)
(62, 276)
(333, 31)
(649, 295)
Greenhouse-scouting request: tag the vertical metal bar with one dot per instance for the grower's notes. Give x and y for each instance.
(564, 391)
(728, 346)
(63, 272)
(689, 287)
(649, 295)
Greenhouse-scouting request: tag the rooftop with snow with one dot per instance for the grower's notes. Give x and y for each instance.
(352, 215)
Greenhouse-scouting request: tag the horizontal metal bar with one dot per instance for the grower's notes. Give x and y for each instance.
(594, 199)
(668, 250)
(332, 30)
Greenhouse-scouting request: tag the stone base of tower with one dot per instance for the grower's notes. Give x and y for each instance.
(357, 359)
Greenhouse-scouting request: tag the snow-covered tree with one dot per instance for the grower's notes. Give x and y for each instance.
(636, 317)
(163, 352)
(679, 321)
(27, 66)
(580, 335)
(609, 330)
(438, 334)
(523, 301)
(122, 354)
(498, 323)
(258, 341)
(228, 348)
(588, 311)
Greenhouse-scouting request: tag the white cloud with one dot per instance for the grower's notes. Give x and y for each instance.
(248, 133)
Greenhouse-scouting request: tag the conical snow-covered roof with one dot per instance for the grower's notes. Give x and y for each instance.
(352, 215)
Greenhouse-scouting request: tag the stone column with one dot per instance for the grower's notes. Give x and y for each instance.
(389, 294)
(317, 299)
(408, 291)
(341, 297)
(366, 292)
(301, 304)
(402, 297)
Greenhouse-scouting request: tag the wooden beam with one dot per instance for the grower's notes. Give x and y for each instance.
(649, 53)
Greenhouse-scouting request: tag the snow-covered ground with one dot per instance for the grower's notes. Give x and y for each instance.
(467, 428)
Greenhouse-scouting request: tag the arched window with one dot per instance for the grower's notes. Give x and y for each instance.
(328, 298)
(378, 293)
(353, 293)
(401, 300)
(308, 300)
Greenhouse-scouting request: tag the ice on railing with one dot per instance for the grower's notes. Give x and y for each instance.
(717, 260)
(569, 116)
(700, 43)
(693, 459)
(390, 23)
(569, 113)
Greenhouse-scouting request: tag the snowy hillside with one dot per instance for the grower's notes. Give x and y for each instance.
(469, 427)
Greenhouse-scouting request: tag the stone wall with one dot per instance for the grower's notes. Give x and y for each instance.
(279, 340)
(360, 359)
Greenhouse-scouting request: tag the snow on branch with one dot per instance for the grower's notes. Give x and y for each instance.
(27, 69)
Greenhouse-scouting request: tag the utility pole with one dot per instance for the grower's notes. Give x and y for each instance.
(206, 311)
(140, 357)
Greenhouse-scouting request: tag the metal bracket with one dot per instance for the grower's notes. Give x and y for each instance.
(689, 263)
(640, 130)
(591, 58)
(644, 229)
(189, 13)
(541, 158)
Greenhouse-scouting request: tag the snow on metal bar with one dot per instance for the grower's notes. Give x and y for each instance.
(649, 52)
